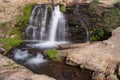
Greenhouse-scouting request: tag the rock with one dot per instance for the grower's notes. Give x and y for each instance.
(9, 70)
(101, 57)
(71, 46)
(41, 77)
(2, 50)
(119, 70)
(117, 5)
(98, 76)
(112, 77)
(110, 2)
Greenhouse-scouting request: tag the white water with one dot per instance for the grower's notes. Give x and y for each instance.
(43, 45)
(37, 60)
(34, 33)
(21, 55)
(29, 58)
(55, 34)
(37, 23)
(44, 19)
(57, 15)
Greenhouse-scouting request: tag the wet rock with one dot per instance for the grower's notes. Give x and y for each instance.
(117, 5)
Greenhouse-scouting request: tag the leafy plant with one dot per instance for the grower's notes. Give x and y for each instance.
(54, 54)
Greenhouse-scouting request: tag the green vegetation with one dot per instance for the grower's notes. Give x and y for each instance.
(96, 35)
(23, 19)
(11, 42)
(95, 2)
(16, 32)
(107, 20)
(111, 18)
(54, 54)
(63, 8)
(4, 24)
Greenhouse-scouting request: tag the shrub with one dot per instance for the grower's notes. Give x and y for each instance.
(54, 54)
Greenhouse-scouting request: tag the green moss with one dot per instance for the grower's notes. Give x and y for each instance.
(63, 8)
(11, 42)
(54, 54)
(23, 19)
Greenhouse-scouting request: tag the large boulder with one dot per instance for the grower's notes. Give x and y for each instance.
(110, 2)
(102, 57)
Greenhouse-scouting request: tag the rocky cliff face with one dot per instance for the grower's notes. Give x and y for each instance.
(10, 8)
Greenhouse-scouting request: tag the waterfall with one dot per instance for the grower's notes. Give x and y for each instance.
(57, 21)
(44, 19)
(37, 23)
(49, 32)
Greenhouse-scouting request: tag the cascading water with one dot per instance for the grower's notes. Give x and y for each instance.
(44, 19)
(57, 21)
(37, 24)
(49, 35)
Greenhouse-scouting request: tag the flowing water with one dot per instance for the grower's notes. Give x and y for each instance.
(35, 61)
(57, 25)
